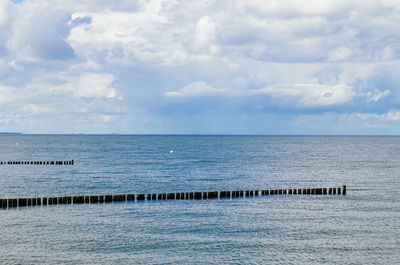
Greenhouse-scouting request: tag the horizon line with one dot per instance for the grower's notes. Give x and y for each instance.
(191, 134)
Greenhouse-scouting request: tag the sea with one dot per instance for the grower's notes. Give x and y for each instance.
(362, 227)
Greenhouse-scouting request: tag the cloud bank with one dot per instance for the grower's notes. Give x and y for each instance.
(157, 66)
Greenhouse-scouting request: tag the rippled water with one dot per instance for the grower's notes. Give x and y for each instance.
(359, 228)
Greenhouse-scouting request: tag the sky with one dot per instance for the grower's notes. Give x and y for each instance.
(200, 67)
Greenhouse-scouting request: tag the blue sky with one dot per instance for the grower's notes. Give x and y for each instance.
(200, 67)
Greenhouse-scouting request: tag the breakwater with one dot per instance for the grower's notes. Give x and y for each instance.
(57, 162)
(92, 199)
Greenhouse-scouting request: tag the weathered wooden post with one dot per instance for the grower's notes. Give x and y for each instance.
(130, 197)
(108, 198)
(212, 194)
(12, 203)
(119, 198)
(344, 189)
(197, 195)
(140, 197)
(3, 203)
(94, 199)
(22, 202)
(78, 199)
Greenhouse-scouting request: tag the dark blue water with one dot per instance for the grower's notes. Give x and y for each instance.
(359, 228)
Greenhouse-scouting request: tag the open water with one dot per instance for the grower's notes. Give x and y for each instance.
(362, 227)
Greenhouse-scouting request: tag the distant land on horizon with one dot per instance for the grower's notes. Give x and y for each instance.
(10, 133)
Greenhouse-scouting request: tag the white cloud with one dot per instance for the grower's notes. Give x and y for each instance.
(311, 95)
(89, 85)
(37, 32)
(304, 95)
(340, 54)
(81, 57)
(125, 36)
(196, 89)
(376, 95)
(7, 94)
(35, 109)
(393, 115)
(205, 35)
(3, 11)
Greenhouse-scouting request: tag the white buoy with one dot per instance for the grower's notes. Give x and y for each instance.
(171, 151)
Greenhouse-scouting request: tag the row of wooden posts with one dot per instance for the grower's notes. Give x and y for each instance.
(58, 162)
(23, 202)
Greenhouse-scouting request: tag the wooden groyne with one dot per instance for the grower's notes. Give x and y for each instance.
(57, 162)
(94, 199)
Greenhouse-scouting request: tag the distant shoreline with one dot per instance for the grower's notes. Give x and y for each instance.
(14, 133)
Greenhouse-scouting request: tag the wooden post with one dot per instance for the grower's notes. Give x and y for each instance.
(108, 198)
(130, 197)
(344, 189)
(197, 195)
(94, 199)
(22, 202)
(140, 197)
(78, 199)
(12, 203)
(3, 203)
(212, 194)
(119, 198)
